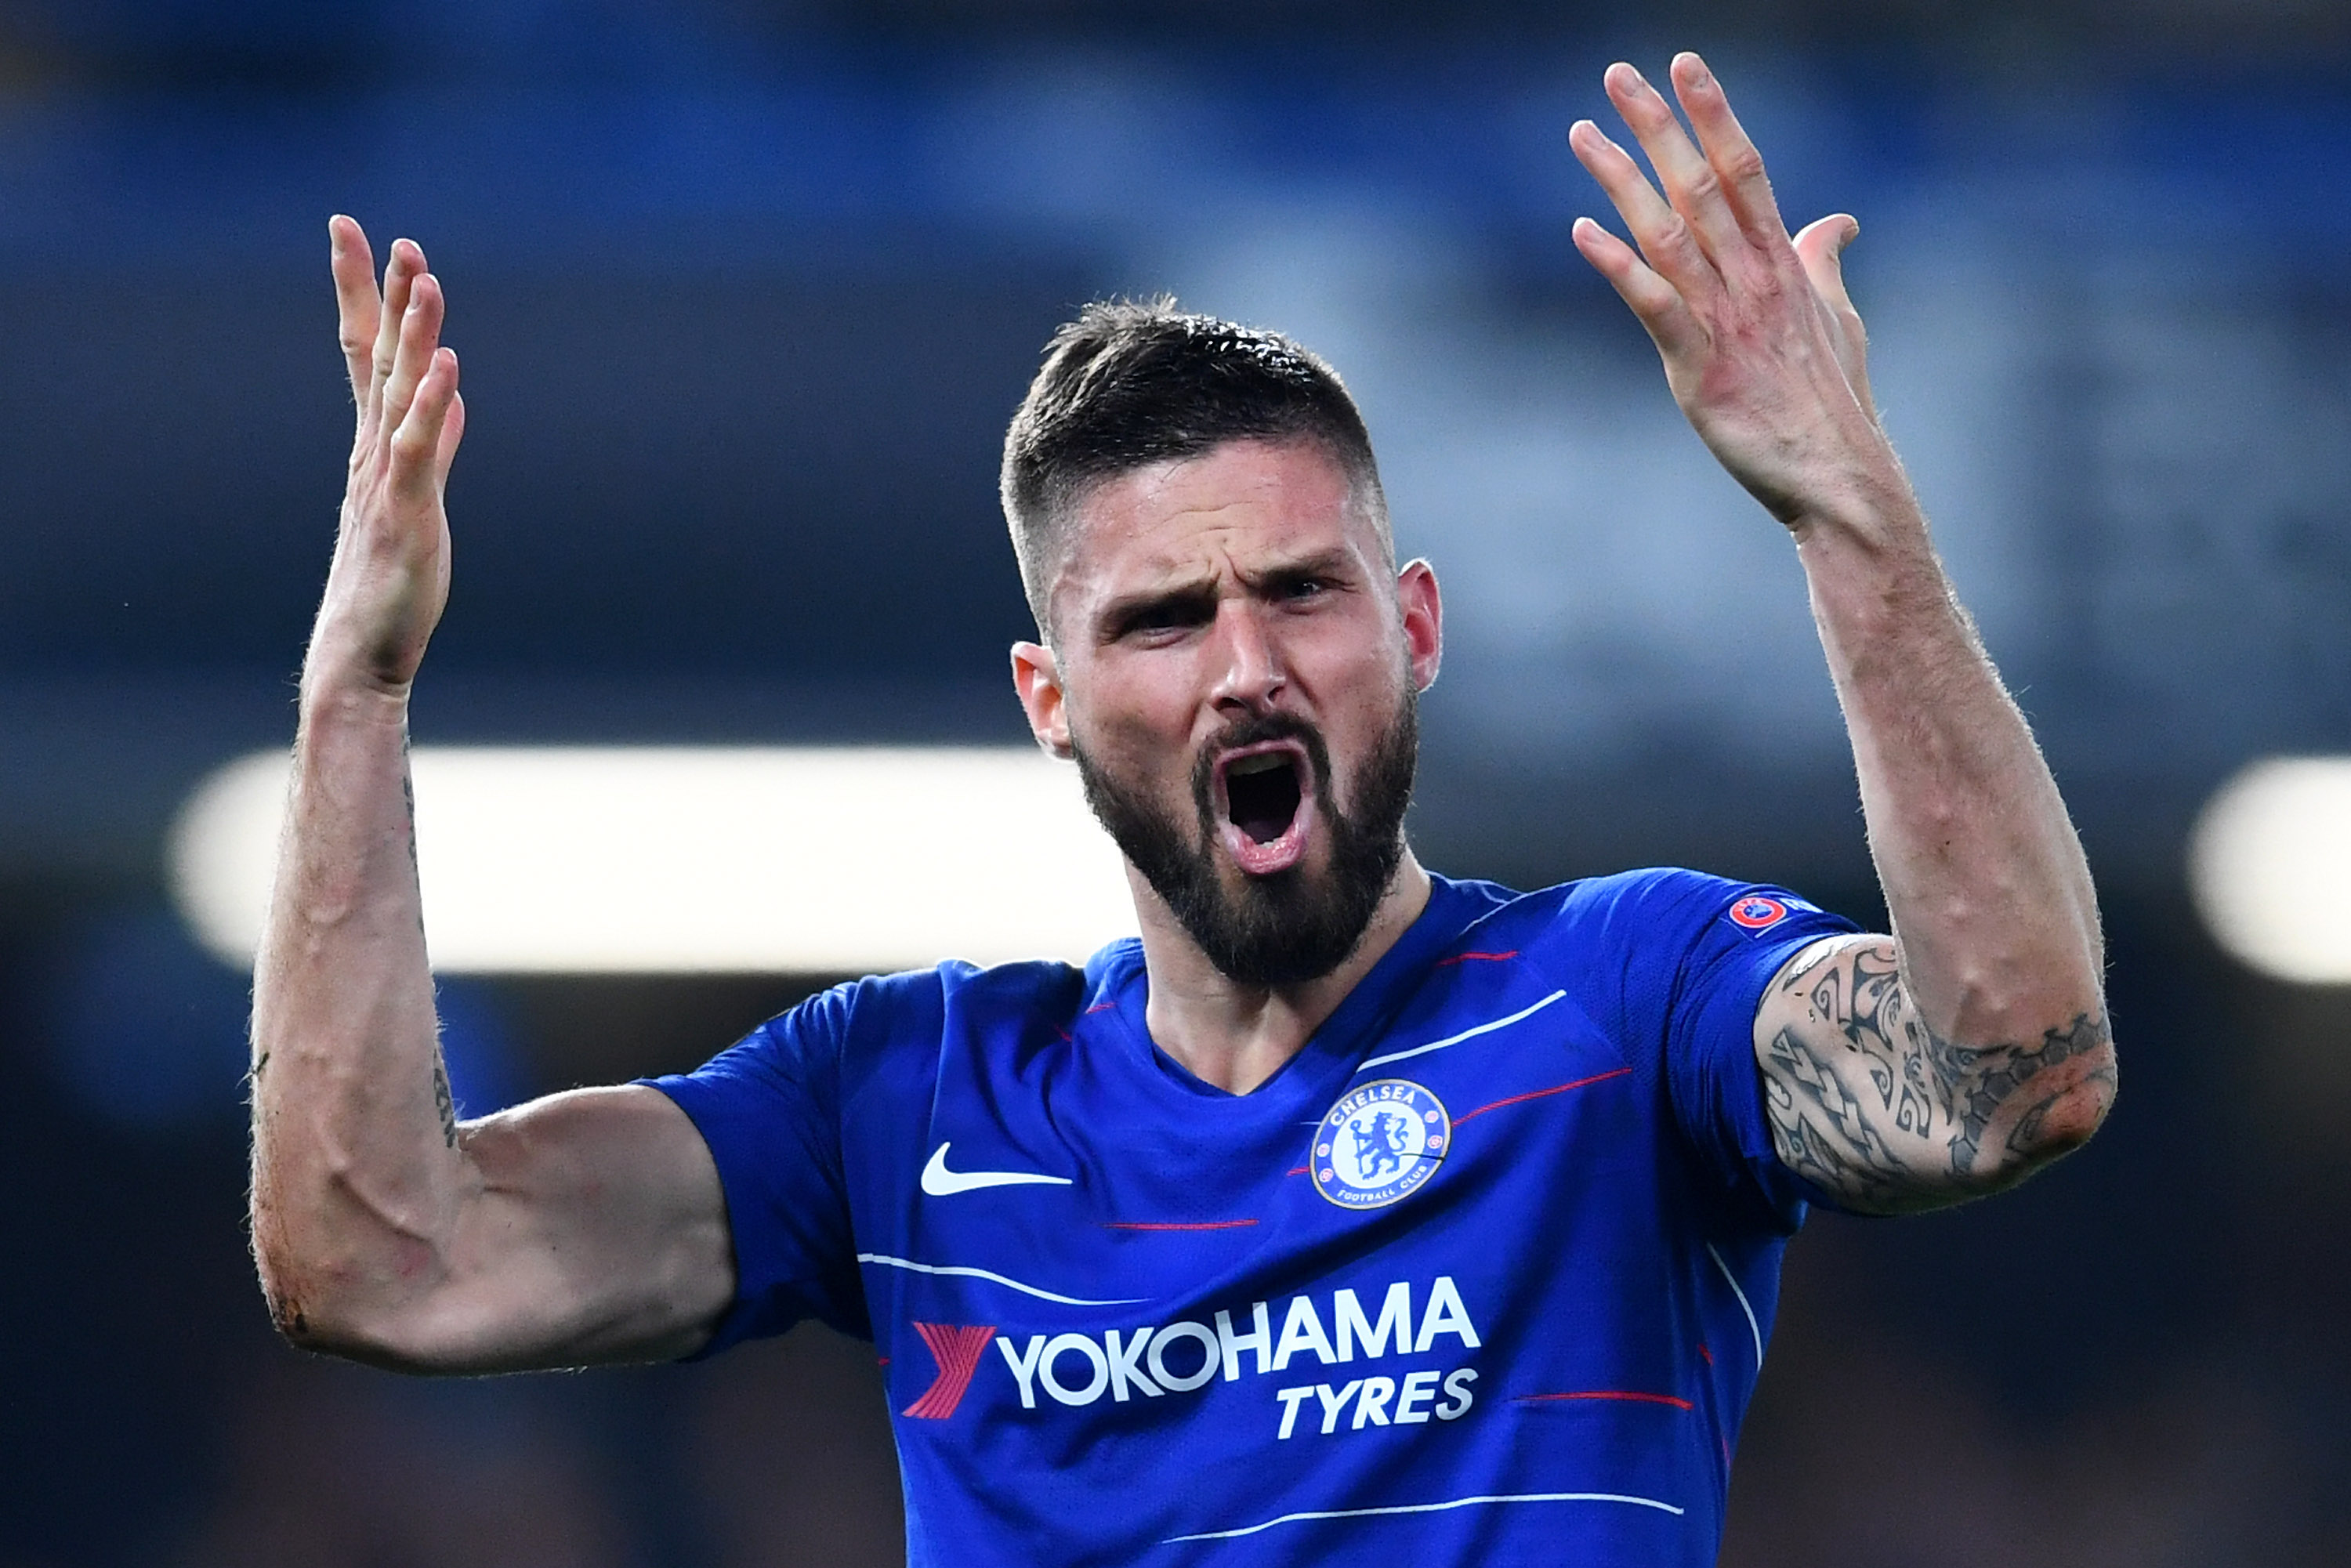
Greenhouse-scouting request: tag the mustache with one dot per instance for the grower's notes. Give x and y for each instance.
(1293, 926)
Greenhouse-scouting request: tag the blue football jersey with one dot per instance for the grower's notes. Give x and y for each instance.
(1483, 1275)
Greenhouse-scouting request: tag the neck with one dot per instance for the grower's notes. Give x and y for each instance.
(1235, 1036)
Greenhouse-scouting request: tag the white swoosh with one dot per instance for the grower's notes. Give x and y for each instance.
(1037, 1292)
(940, 1182)
(1428, 1508)
(1457, 1038)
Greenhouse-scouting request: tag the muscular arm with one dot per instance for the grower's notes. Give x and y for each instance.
(586, 1227)
(1971, 1046)
(1872, 1104)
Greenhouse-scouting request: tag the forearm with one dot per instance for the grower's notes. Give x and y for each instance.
(1991, 900)
(1983, 876)
(357, 1172)
(585, 1226)
(1971, 1046)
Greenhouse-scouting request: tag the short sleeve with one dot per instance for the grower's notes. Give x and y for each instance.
(1691, 957)
(769, 1109)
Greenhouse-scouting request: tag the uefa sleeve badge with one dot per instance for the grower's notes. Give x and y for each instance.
(1756, 913)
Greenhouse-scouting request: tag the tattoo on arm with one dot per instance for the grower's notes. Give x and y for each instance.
(444, 1103)
(408, 799)
(1872, 1106)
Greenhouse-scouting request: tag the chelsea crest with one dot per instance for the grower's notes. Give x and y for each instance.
(1380, 1143)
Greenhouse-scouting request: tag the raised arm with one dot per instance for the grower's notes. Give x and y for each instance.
(585, 1226)
(1958, 1055)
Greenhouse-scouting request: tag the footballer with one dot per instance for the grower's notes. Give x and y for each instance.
(1352, 1209)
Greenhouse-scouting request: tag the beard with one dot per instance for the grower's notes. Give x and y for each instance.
(1287, 928)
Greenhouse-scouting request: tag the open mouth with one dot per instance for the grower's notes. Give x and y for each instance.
(1262, 794)
(1267, 802)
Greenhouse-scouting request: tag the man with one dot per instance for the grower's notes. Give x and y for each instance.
(1352, 1209)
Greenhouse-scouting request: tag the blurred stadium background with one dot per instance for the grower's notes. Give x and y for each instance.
(746, 289)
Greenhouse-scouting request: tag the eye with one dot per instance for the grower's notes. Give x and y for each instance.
(1163, 618)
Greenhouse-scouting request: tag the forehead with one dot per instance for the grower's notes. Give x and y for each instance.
(1242, 506)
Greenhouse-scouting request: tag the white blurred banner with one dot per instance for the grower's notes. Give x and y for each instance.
(663, 860)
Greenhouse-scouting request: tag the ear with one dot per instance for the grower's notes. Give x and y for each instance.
(1037, 677)
(1424, 620)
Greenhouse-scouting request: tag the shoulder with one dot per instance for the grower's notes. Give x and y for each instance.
(1641, 949)
(1650, 906)
(1028, 986)
(884, 1033)
(864, 1023)
(1659, 895)
(881, 1008)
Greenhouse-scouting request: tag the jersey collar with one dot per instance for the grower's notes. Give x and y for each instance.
(1119, 992)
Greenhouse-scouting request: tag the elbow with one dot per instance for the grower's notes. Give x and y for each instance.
(277, 1258)
(328, 1322)
(305, 1308)
(2058, 1123)
(289, 1310)
(313, 1302)
(2060, 1093)
(337, 1302)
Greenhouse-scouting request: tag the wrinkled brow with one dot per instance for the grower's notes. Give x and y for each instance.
(1196, 596)
(1337, 562)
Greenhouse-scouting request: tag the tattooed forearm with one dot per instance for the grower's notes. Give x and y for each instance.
(408, 799)
(1823, 1132)
(1987, 1079)
(1872, 1106)
(444, 1103)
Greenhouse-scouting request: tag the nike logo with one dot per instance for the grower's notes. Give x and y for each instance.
(940, 1182)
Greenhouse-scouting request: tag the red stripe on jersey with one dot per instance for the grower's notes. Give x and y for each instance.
(1465, 957)
(1609, 1393)
(1538, 1093)
(1174, 1224)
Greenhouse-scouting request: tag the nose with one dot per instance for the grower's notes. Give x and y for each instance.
(1252, 676)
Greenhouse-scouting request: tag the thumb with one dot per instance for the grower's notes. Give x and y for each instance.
(1821, 248)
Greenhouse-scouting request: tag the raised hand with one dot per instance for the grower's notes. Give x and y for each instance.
(1762, 348)
(391, 573)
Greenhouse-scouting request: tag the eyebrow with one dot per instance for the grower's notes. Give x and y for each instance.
(1127, 610)
(1337, 561)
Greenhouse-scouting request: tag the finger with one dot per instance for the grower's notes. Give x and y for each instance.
(399, 273)
(416, 445)
(357, 304)
(420, 334)
(453, 430)
(1689, 181)
(1663, 235)
(1657, 303)
(1729, 152)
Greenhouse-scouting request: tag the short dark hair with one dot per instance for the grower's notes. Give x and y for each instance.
(1133, 382)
